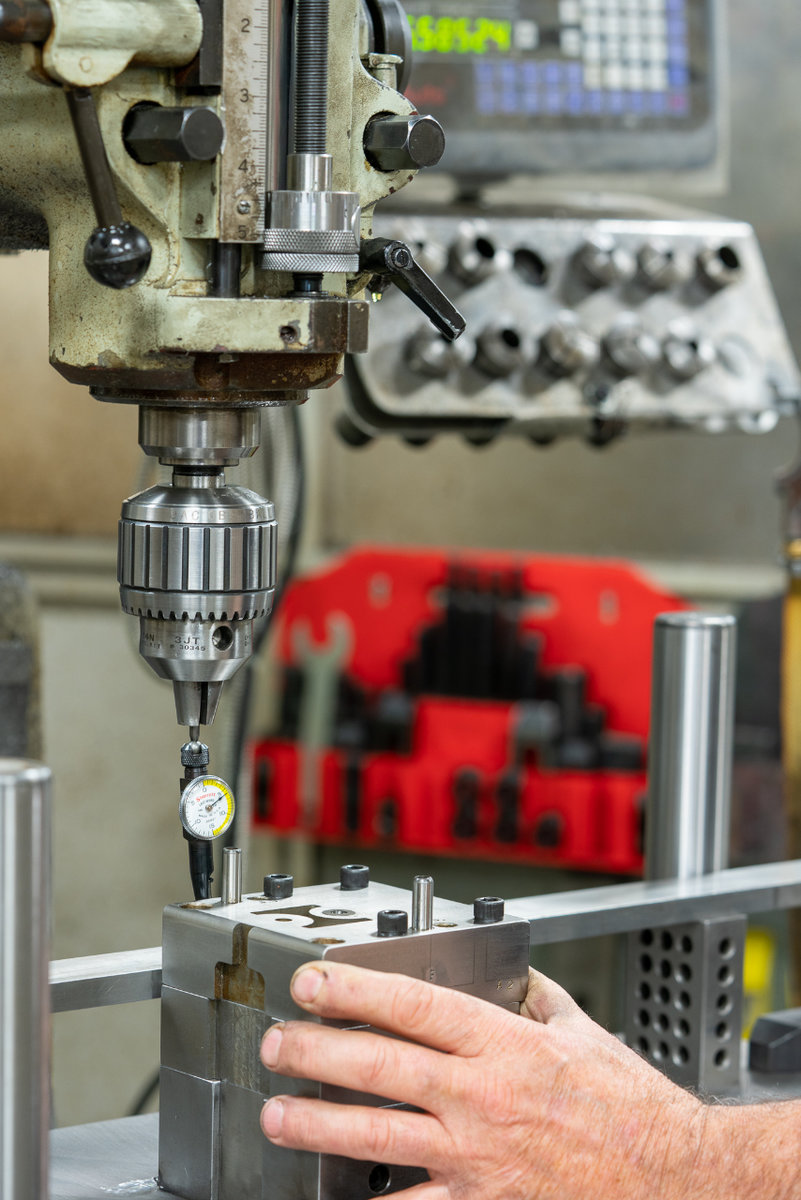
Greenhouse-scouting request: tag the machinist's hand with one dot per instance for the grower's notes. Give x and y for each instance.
(550, 1107)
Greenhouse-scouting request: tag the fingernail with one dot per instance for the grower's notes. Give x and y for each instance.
(271, 1046)
(307, 983)
(272, 1118)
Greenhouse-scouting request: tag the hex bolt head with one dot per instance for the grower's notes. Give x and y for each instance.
(720, 266)
(663, 265)
(568, 348)
(279, 887)
(354, 877)
(397, 143)
(687, 352)
(603, 262)
(487, 910)
(631, 348)
(392, 922)
(154, 134)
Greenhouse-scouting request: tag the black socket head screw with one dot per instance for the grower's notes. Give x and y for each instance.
(392, 922)
(279, 887)
(487, 910)
(354, 877)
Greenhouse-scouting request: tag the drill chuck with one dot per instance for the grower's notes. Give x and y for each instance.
(197, 564)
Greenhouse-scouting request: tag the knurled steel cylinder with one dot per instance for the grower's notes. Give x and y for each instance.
(197, 554)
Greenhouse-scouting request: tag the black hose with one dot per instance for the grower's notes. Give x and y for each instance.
(148, 1090)
(286, 576)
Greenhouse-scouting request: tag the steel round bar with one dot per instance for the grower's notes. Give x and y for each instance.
(24, 985)
(690, 756)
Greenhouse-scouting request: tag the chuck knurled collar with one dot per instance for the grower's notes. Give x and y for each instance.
(194, 754)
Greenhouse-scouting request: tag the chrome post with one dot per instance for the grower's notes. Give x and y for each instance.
(690, 756)
(24, 985)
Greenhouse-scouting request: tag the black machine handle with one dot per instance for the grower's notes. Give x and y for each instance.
(394, 260)
(117, 254)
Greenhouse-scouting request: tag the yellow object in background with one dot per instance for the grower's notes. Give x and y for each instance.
(758, 976)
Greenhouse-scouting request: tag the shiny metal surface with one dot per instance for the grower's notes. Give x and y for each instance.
(128, 976)
(690, 755)
(401, 143)
(231, 885)
(740, 374)
(604, 261)
(502, 348)
(209, 436)
(109, 1158)
(422, 903)
(123, 977)
(568, 347)
(310, 227)
(24, 999)
(196, 563)
(227, 971)
(621, 908)
(629, 347)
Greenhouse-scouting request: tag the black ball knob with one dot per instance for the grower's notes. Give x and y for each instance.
(353, 877)
(279, 887)
(117, 255)
(487, 910)
(392, 922)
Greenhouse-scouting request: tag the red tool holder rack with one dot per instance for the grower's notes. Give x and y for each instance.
(368, 610)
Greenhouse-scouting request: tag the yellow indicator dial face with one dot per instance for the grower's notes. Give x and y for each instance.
(207, 807)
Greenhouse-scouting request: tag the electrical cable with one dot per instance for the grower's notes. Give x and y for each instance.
(144, 1095)
(285, 575)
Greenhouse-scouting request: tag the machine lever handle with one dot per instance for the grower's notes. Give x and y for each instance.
(117, 254)
(394, 260)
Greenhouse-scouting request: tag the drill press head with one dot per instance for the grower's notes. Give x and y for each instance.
(197, 556)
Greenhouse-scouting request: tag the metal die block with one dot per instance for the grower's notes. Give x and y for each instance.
(684, 1000)
(240, 1162)
(227, 972)
(188, 1033)
(239, 1031)
(189, 1136)
(192, 948)
(346, 1178)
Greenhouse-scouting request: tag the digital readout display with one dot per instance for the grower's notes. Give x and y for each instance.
(502, 64)
(460, 35)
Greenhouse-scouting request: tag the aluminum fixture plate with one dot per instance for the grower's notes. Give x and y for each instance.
(752, 378)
